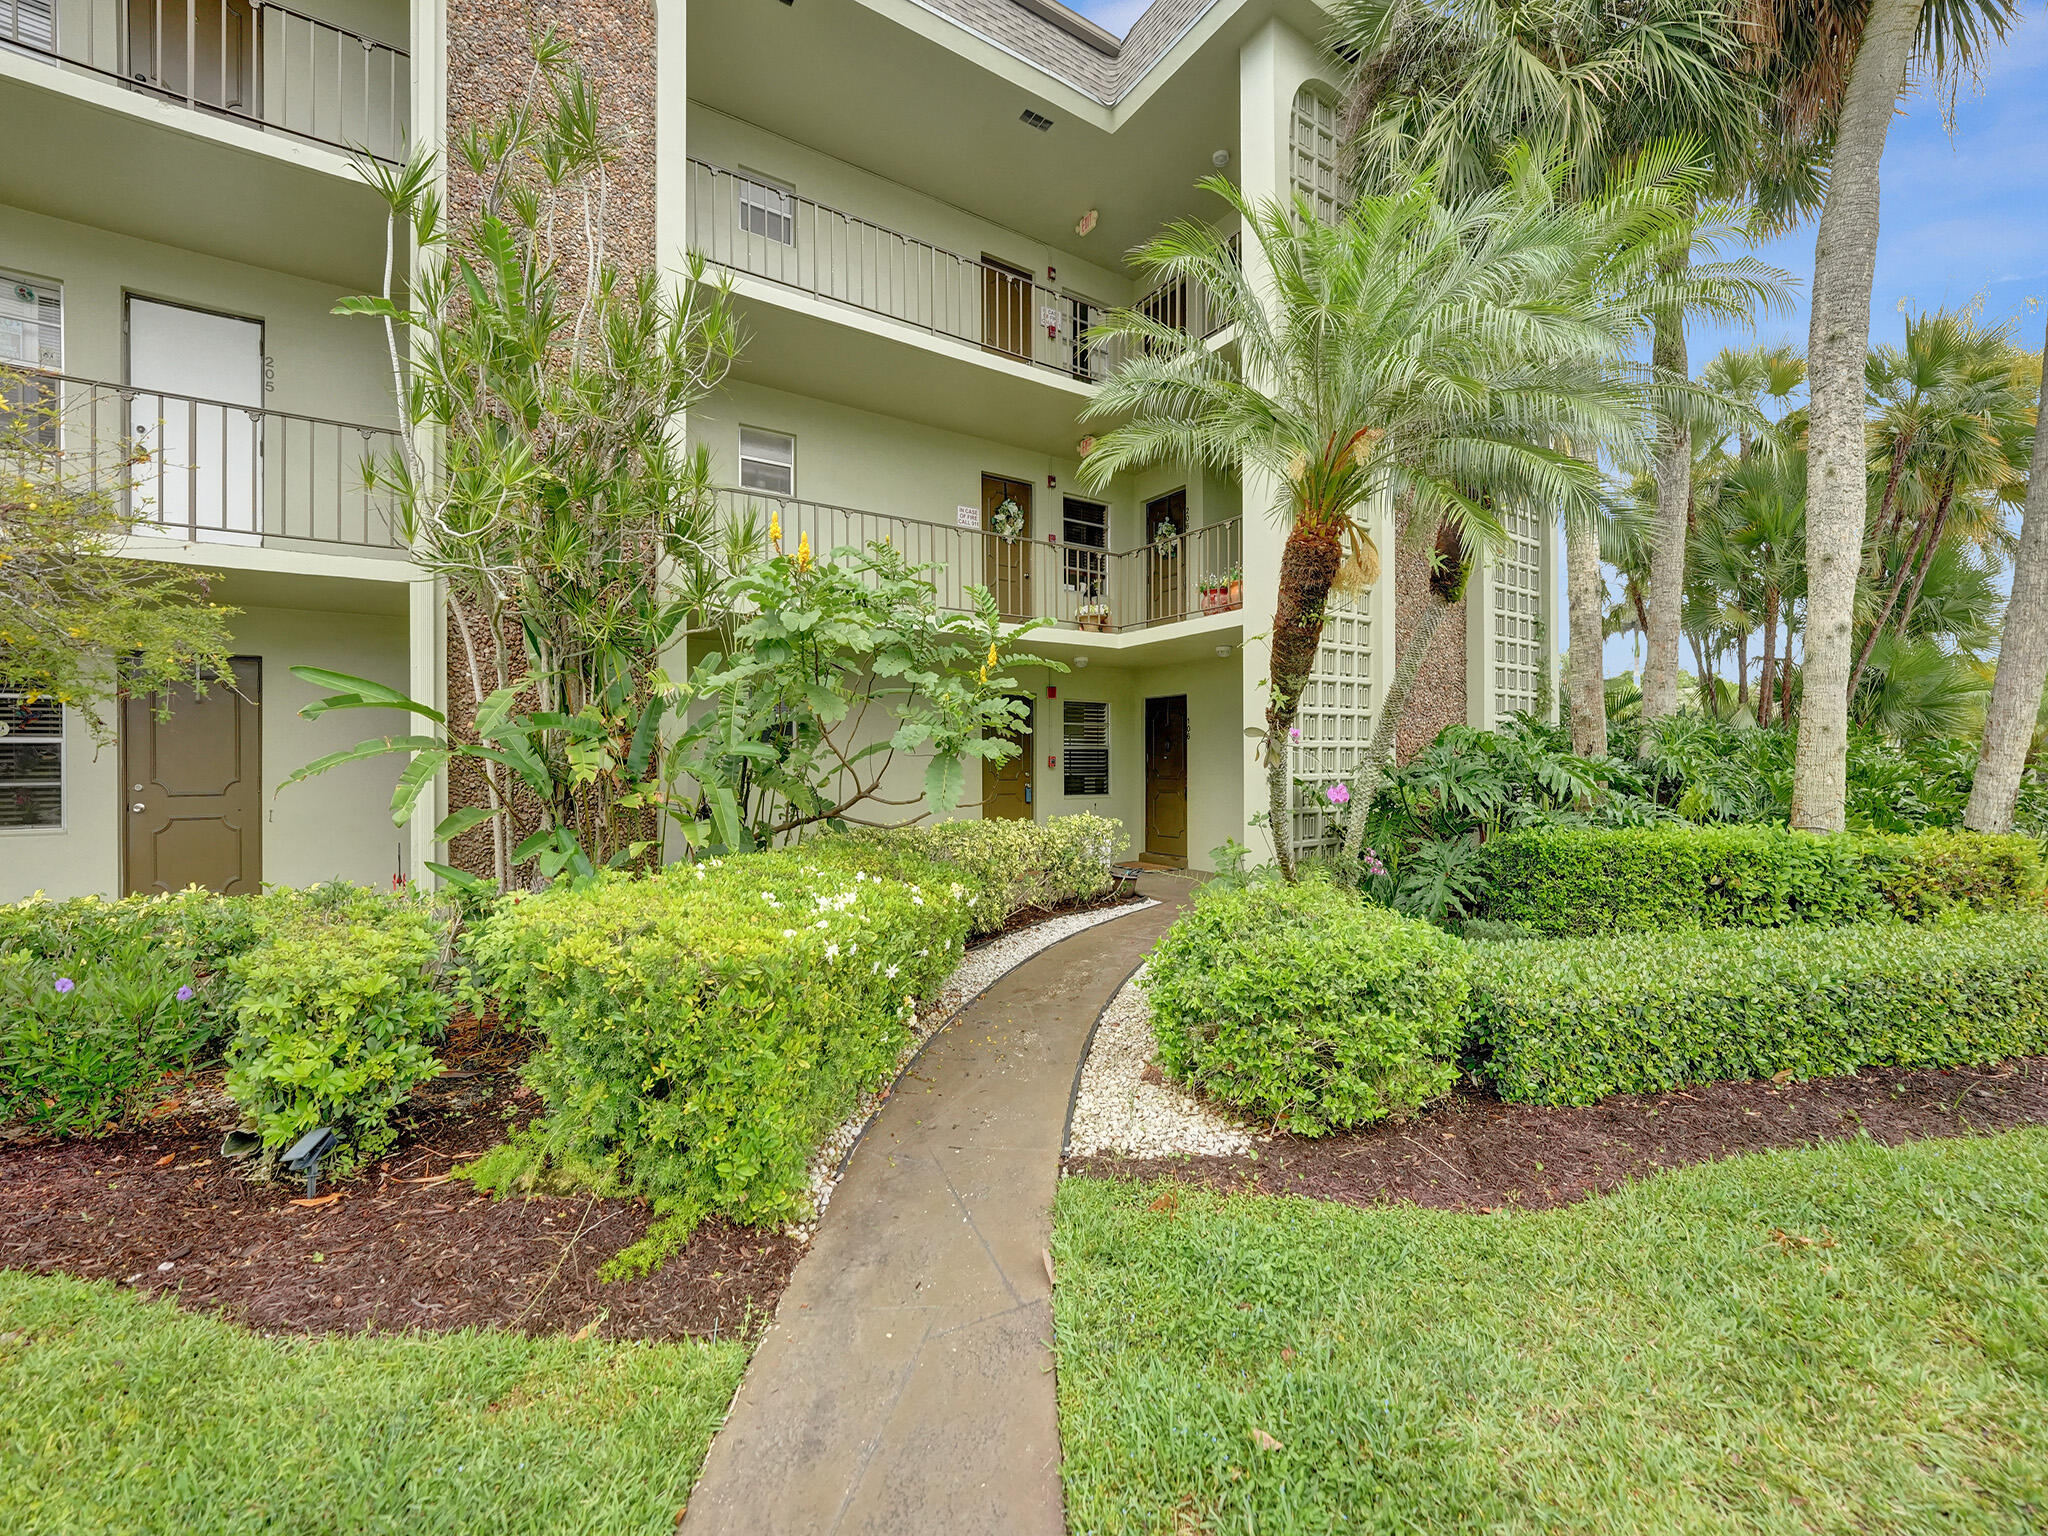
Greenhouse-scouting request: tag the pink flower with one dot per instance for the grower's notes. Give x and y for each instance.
(1339, 795)
(1294, 733)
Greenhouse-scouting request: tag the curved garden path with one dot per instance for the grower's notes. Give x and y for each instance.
(906, 1384)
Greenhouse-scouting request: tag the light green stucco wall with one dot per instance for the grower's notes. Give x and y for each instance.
(321, 364)
(335, 827)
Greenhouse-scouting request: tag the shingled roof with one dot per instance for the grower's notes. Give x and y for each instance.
(1072, 48)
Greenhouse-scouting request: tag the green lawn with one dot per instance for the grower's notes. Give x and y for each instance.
(1853, 1338)
(121, 1415)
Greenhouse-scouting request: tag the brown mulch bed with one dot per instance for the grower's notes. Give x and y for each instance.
(1028, 917)
(404, 1247)
(1475, 1153)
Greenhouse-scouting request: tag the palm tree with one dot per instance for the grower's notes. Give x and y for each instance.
(1845, 63)
(1461, 80)
(1413, 351)
(1766, 505)
(2009, 719)
(1755, 377)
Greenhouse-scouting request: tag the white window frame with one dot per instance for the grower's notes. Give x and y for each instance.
(767, 207)
(47, 299)
(63, 771)
(787, 465)
(1075, 733)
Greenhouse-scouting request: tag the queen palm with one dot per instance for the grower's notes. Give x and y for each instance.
(1413, 351)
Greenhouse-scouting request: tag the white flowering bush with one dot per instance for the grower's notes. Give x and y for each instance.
(1016, 865)
(704, 1028)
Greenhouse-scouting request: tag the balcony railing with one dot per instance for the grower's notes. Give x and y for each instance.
(264, 64)
(1030, 578)
(209, 471)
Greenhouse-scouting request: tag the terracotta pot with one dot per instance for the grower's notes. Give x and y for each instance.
(1237, 594)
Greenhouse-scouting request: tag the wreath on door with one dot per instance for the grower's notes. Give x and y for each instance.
(1166, 538)
(1008, 519)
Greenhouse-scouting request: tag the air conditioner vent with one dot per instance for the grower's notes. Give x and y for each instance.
(1037, 120)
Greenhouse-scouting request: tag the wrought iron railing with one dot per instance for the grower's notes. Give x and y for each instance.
(265, 64)
(209, 471)
(1029, 577)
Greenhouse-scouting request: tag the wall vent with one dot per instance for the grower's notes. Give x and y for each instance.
(1037, 120)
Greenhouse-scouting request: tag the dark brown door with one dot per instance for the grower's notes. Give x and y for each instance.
(1007, 571)
(1166, 780)
(1006, 790)
(192, 787)
(1166, 588)
(1005, 309)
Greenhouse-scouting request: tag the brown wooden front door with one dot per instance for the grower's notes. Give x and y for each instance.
(1166, 588)
(1006, 790)
(1005, 309)
(1166, 780)
(1007, 567)
(192, 787)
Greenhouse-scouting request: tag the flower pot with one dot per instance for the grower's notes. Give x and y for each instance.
(1096, 621)
(1236, 594)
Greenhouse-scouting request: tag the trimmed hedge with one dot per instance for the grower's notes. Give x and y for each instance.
(1306, 1007)
(705, 1027)
(1571, 1021)
(1011, 865)
(333, 1017)
(1571, 881)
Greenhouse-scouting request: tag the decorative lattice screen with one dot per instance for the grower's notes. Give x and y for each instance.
(1336, 717)
(1313, 142)
(1518, 639)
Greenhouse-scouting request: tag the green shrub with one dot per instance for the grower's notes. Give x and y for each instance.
(333, 1017)
(1013, 866)
(1569, 881)
(84, 1041)
(1923, 876)
(1570, 1021)
(1307, 1007)
(706, 1026)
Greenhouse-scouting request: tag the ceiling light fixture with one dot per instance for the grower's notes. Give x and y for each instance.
(1220, 159)
(1086, 223)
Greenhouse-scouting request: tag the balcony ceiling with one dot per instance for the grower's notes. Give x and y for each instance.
(159, 171)
(843, 77)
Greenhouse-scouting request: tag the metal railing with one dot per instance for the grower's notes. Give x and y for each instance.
(264, 64)
(209, 471)
(763, 230)
(1030, 578)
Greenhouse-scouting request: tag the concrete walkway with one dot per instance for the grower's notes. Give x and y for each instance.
(906, 1385)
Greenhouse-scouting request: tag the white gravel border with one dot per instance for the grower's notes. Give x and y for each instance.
(980, 969)
(1117, 1111)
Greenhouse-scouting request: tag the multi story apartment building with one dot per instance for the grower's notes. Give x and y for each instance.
(920, 205)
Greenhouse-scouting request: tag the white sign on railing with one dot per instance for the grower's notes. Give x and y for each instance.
(967, 517)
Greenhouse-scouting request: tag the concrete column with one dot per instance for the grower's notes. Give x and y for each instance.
(427, 681)
(671, 133)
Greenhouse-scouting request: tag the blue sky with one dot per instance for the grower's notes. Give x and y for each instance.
(1965, 214)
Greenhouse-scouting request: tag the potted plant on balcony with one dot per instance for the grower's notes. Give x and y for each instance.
(1215, 592)
(1093, 616)
(1233, 587)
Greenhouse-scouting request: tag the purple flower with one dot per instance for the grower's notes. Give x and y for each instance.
(1294, 733)
(1339, 794)
(184, 994)
(65, 983)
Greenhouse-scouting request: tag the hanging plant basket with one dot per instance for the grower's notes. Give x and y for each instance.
(1007, 521)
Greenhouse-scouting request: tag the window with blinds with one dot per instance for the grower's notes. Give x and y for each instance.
(31, 23)
(767, 208)
(1085, 748)
(767, 461)
(31, 762)
(31, 341)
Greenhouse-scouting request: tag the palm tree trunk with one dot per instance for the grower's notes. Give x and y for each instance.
(1308, 565)
(2022, 662)
(1844, 268)
(1587, 682)
(1742, 668)
(1926, 561)
(1667, 549)
(1372, 770)
(1763, 677)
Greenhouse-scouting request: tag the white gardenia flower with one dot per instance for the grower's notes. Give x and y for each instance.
(831, 951)
(892, 973)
